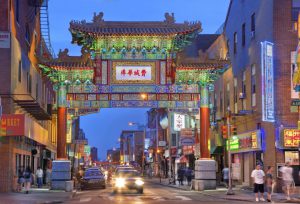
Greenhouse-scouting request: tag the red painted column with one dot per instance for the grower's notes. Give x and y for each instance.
(62, 122)
(204, 122)
(61, 133)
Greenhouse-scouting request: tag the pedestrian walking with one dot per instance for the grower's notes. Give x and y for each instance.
(39, 175)
(188, 175)
(269, 183)
(225, 173)
(21, 179)
(180, 175)
(258, 176)
(28, 179)
(288, 181)
(48, 176)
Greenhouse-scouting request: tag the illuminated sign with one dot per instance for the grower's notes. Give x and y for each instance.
(188, 150)
(267, 82)
(250, 141)
(87, 149)
(291, 138)
(179, 122)
(4, 39)
(12, 125)
(133, 72)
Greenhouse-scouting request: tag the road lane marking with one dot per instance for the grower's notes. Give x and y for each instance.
(84, 200)
(183, 198)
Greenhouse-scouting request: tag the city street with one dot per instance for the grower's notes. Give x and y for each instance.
(154, 193)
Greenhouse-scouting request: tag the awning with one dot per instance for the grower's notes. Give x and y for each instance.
(217, 150)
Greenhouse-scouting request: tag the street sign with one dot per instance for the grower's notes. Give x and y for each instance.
(162, 143)
(295, 102)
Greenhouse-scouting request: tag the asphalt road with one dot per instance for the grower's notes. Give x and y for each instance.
(153, 193)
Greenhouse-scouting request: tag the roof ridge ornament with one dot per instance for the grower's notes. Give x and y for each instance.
(98, 18)
(170, 19)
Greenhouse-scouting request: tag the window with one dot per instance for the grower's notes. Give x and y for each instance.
(253, 86)
(235, 43)
(174, 140)
(221, 102)
(29, 79)
(243, 34)
(235, 95)
(244, 91)
(27, 33)
(253, 22)
(295, 9)
(17, 11)
(36, 91)
(20, 71)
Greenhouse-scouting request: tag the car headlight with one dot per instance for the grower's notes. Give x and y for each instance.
(139, 182)
(120, 182)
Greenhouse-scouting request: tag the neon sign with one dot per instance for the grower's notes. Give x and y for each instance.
(291, 137)
(267, 75)
(250, 141)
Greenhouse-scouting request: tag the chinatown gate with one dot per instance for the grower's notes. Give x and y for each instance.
(129, 64)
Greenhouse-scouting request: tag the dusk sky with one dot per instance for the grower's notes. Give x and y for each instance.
(103, 129)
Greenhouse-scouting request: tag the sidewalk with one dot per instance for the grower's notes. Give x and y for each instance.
(240, 194)
(36, 196)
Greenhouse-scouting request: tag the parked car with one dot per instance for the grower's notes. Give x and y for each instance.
(92, 178)
(128, 179)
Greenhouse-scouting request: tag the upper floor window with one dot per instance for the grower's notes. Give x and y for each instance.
(253, 85)
(235, 42)
(253, 22)
(27, 33)
(17, 11)
(295, 9)
(243, 34)
(20, 71)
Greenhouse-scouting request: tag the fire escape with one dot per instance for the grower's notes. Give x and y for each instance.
(45, 28)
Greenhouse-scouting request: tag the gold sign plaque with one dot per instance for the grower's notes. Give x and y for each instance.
(124, 72)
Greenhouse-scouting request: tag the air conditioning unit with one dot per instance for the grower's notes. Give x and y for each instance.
(242, 95)
(252, 34)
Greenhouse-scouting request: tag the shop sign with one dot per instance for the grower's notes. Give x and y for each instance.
(162, 143)
(246, 142)
(173, 151)
(295, 102)
(4, 39)
(267, 82)
(291, 138)
(179, 122)
(12, 125)
(87, 149)
(187, 141)
(186, 132)
(188, 150)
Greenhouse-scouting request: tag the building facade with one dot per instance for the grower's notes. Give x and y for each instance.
(94, 154)
(257, 90)
(28, 127)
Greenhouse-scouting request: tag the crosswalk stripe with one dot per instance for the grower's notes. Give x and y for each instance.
(84, 200)
(183, 198)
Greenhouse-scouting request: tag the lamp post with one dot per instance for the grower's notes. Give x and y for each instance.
(144, 136)
(229, 191)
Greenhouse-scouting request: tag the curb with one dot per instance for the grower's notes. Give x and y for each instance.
(168, 185)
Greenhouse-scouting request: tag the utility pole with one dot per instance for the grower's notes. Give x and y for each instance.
(229, 191)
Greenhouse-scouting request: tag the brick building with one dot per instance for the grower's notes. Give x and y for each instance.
(261, 38)
(27, 128)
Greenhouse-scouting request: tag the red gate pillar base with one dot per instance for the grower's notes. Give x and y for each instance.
(205, 174)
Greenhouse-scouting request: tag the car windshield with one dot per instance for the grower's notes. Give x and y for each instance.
(90, 173)
(127, 173)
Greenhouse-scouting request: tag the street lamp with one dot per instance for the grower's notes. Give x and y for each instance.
(144, 136)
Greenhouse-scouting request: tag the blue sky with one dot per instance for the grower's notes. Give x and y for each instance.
(103, 129)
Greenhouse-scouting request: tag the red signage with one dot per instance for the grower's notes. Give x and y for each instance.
(12, 125)
(188, 150)
(173, 151)
(291, 137)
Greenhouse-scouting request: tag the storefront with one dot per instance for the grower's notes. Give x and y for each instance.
(246, 152)
(289, 141)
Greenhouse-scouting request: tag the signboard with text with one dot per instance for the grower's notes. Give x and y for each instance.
(250, 141)
(4, 39)
(267, 74)
(179, 122)
(133, 73)
(291, 137)
(12, 125)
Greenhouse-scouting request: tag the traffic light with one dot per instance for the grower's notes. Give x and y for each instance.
(224, 132)
(233, 130)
